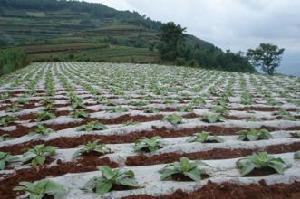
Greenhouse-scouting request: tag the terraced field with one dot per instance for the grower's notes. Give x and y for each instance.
(98, 114)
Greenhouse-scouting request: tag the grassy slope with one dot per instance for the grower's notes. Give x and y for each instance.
(65, 34)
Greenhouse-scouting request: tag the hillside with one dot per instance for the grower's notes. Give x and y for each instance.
(52, 30)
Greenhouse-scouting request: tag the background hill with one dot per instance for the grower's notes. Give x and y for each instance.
(51, 30)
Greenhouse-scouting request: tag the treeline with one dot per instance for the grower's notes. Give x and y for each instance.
(12, 59)
(174, 46)
(98, 11)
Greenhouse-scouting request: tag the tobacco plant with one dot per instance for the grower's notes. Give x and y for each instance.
(109, 178)
(148, 144)
(92, 126)
(254, 134)
(5, 159)
(41, 130)
(37, 155)
(93, 146)
(204, 137)
(173, 119)
(212, 118)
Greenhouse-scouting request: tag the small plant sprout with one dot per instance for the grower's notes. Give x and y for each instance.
(151, 110)
(173, 119)
(92, 126)
(13, 108)
(94, 146)
(5, 159)
(261, 161)
(40, 189)
(204, 137)
(148, 144)
(45, 115)
(41, 130)
(7, 120)
(109, 179)
(118, 109)
(37, 155)
(4, 137)
(297, 155)
(212, 118)
(79, 114)
(254, 134)
(194, 170)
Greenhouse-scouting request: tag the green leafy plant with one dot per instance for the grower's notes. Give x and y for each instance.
(79, 114)
(261, 161)
(92, 126)
(93, 146)
(45, 115)
(13, 108)
(5, 159)
(151, 110)
(148, 144)
(297, 155)
(254, 134)
(4, 137)
(37, 155)
(212, 118)
(39, 189)
(118, 109)
(185, 167)
(110, 177)
(246, 98)
(204, 137)
(41, 130)
(7, 120)
(173, 119)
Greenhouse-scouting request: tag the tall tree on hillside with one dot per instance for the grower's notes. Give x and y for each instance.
(170, 37)
(267, 56)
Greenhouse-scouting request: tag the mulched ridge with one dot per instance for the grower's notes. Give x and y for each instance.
(234, 191)
(85, 164)
(216, 153)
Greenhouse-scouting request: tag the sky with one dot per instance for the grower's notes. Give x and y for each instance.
(230, 24)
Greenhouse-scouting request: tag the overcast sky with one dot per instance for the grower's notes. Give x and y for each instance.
(230, 24)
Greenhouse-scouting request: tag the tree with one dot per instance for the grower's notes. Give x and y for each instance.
(170, 37)
(267, 56)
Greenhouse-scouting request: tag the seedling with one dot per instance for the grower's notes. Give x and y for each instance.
(45, 115)
(212, 118)
(4, 137)
(13, 108)
(173, 119)
(5, 159)
(110, 178)
(254, 134)
(246, 99)
(261, 161)
(151, 110)
(92, 126)
(37, 155)
(40, 189)
(7, 120)
(118, 109)
(41, 130)
(79, 114)
(297, 155)
(148, 144)
(204, 137)
(94, 146)
(192, 169)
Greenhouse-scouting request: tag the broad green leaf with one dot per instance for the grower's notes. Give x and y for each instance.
(103, 187)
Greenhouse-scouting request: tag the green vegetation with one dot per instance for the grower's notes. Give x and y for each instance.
(254, 134)
(261, 161)
(92, 126)
(37, 155)
(204, 137)
(109, 178)
(173, 119)
(39, 189)
(5, 159)
(148, 144)
(98, 33)
(297, 155)
(266, 56)
(93, 146)
(41, 130)
(12, 59)
(185, 167)
(212, 118)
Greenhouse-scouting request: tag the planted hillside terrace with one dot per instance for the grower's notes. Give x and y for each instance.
(92, 130)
